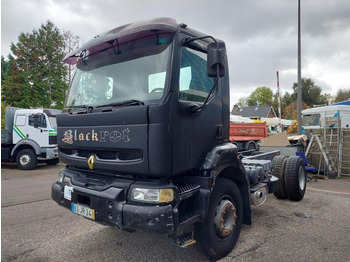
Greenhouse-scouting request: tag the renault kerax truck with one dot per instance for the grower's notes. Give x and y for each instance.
(144, 135)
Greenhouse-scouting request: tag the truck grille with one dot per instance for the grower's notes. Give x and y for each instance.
(52, 140)
(102, 155)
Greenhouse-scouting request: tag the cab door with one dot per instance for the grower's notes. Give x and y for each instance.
(37, 129)
(196, 131)
(19, 128)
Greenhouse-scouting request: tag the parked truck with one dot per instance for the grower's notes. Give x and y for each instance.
(246, 136)
(30, 135)
(145, 137)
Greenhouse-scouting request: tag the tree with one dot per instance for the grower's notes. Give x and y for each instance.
(4, 66)
(35, 75)
(311, 93)
(261, 96)
(286, 99)
(290, 111)
(342, 95)
(242, 102)
(71, 42)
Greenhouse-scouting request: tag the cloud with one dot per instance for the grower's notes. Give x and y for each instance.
(261, 36)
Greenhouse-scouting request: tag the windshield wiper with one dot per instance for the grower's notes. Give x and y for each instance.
(132, 102)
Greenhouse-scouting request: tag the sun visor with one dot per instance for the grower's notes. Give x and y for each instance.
(123, 34)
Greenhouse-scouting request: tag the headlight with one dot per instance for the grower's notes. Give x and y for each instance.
(60, 177)
(152, 195)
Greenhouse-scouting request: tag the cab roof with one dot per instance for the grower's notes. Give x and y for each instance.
(123, 34)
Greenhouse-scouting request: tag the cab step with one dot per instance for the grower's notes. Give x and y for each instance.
(188, 219)
(188, 190)
(183, 240)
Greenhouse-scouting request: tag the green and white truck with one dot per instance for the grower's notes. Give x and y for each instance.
(30, 136)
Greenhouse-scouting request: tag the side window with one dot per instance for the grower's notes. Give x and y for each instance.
(20, 120)
(31, 120)
(39, 119)
(195, 84)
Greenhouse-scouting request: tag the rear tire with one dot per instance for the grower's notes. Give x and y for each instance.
(295, 178)
(279, 164)
(251, 146)
(26, 159)
(218, 234)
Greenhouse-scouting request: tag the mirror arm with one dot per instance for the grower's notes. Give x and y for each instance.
(191, 39)
(199, 108)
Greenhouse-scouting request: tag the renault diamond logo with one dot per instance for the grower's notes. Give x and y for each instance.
(91, 161)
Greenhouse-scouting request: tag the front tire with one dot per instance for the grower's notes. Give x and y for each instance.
(26, 159)
(218, 234)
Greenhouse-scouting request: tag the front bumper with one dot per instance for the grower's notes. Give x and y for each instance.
(48, 153)
(112, 208)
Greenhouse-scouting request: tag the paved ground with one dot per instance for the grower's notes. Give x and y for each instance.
(34, 228)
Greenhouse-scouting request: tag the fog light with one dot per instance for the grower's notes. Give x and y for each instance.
(151, 195)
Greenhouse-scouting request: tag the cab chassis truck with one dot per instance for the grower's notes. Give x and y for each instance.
(144, 135)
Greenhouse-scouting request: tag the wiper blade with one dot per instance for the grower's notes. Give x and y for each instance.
(132, 102)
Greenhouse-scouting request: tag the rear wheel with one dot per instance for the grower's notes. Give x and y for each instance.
(278, 165)
(219, 232)
(295, 178)
(26, 159)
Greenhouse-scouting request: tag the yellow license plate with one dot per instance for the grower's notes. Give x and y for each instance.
(83, 211)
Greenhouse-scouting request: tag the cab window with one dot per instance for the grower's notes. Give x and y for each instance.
(194, 82)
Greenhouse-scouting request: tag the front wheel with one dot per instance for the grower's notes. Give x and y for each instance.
(26, 159)
(219, 232)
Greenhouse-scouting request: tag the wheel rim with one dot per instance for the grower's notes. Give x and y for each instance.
(302, 178)
(225, 218)
(24, 160)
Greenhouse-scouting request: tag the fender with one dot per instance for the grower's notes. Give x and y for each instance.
(27, 142)
(223, 160)
(220, 157)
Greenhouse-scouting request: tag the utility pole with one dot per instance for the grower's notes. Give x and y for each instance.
(279, 104)
(299, 101)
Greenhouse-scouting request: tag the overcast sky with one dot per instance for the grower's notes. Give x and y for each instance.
(260, 36)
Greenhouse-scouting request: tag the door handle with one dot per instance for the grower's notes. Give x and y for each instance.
(219, 131)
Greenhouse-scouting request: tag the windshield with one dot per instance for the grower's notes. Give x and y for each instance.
(135, 70)
(53, 122)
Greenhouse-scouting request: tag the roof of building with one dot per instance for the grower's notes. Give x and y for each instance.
(345, 103)
(253, 111)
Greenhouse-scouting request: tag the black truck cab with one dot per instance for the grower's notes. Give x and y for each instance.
(144, 133)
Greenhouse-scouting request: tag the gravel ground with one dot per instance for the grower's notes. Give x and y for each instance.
(37, 229)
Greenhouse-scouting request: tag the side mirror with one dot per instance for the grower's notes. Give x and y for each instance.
(39, 121)
(36, 121)
(216, 57)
